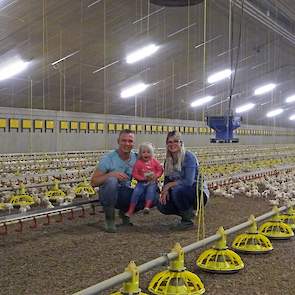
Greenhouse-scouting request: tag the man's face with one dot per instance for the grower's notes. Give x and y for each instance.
(126, 142)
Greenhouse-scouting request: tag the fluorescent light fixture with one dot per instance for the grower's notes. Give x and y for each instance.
(264, 89)
(290, 98)
(219, 76)
(141, 53)
(274, 113)
(64, 58)
(201, 101)
(292, 118)
(245, 107)
(133, 90)
(12, 68)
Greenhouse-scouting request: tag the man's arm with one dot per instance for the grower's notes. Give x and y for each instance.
(99, 177)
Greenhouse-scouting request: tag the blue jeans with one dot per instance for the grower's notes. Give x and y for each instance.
(144, 191)
(181, 198)
(114, 194)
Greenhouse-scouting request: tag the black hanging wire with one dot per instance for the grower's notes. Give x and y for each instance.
(232, 66)
(233, 77)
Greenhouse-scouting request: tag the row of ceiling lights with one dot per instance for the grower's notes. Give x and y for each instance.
(262, 90)
(18, 65)
(139, 87)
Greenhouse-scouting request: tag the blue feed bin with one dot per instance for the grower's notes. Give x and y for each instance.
(224, 127)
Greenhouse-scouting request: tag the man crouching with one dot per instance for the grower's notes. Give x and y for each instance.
(113, 176)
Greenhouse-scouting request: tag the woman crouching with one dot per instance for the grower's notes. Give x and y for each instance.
(183, 185)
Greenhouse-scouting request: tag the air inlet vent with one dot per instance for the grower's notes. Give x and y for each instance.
(176, 3)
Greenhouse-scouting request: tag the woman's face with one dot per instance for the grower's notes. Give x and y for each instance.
(173, 144)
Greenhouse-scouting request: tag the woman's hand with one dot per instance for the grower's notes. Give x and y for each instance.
(164, 197)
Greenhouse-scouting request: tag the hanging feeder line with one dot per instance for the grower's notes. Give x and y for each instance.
(42, 184)
(92, 162)
(51, 167)
(40, 156)
(212, 183)
(55, 155)
(55, 174)
(5, 221)
(223, 181)
(247, 158)
(16, 219)
(162, 260)
(73, 154)
(219, 180)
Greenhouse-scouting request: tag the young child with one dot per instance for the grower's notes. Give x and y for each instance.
(146, 171)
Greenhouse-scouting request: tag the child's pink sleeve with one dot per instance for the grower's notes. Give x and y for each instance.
(136, 172)
(158, 168)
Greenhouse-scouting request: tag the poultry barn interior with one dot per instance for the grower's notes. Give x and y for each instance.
(213, 80)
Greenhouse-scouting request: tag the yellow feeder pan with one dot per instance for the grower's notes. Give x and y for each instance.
(252, 241)
(22, 199)
(220, 259)
(176, 280)
(291, 210)
(276, 229)
(289, 217)
(55, 193)
(84, 187)
(2, 206)
(133, 183)
(131, 287)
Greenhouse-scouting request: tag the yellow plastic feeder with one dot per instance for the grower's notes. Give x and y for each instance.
(84, 187)
(252, 241)
(291, 210)
(176, 280)
(55, 193)
(22, 199)
(276, 229)
(131, 287)
(220, 259)
(133, 183)
(289, 217)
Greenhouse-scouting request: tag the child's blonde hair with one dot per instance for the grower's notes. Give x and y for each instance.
(146, 146)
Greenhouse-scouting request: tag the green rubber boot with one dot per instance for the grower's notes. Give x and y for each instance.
(186, 220)
(110, 226)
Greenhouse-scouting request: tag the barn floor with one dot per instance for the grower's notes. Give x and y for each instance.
(64, 258)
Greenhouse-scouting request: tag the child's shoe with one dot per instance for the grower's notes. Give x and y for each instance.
(146, 210)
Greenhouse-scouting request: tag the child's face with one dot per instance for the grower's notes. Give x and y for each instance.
(146, 154)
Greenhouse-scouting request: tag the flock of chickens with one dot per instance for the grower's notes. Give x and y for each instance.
(38, 175)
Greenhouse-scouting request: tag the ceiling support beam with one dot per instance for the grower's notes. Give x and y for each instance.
(265, 20)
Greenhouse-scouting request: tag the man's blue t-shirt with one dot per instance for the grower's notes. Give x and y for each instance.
(112, 162)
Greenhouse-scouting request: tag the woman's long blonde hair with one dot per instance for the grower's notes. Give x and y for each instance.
(170, 164)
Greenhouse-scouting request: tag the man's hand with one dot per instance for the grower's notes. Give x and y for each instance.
(121, 176)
